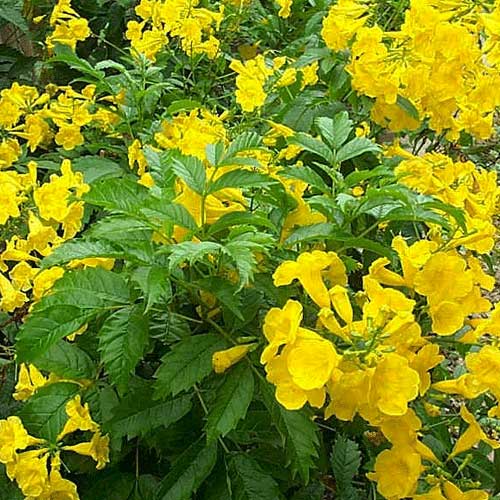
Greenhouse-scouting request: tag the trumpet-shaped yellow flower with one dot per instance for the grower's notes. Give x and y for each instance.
(97, 448)
(308, 270)
(222, 360)
(30, 379)
(472, 435)
(13, 437)
(79, 418)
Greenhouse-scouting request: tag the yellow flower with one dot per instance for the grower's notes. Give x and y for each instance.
(308, 269)
(79, 418)
(45, 280)
(97, 448)
(10, 298)
(69, 137)
(13, 437)
(136, 157)
(341, 303)
(309, 75)
(466, 385)
(427, 358)
(222, 360)
(289, 77)
(10, 151)
(358, 191)
(281, 327)
(59, 488)
(396, 472)
(452, 492)
(29, 381)
(472, 435)
(484, 366)
(285, 6)
(30, 472)
(378, 271)
(394, 384)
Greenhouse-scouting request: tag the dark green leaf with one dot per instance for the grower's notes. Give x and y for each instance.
(155, 283)
(244, 142)
(298, 432)
(307, 174)
(192, 251)
(313, 145)
(67, 360)
(188, 472)
(122, 340)
(137, 414)
(239, 179)
(96, 168)
(44, 414)
(345, 460)
(323, 230)
(74, 300)
(249, 481)
(239, 218)
(225, 292)
(187, 363)
(171, 212)
(231, 402)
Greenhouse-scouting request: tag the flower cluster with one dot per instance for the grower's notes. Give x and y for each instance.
(193, 26)
(35, 464)
(451, 85)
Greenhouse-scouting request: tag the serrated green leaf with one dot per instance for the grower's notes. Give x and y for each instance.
(171, 212)
(323, 230)
(231, 402)
(356, 147)
(74, 300)
(13, 14)
(249, 481)
(118, 195)
(225, 292)
(313, 145)
(96, 168)
(189, 361)
(64, 54)
(81, 249)
(67, 360)
(183, 105)
(297, 430)
(120, 228)
(239, 179)
(243, 254)
(155, 283)
(335, 131)
(244, 142)
(191, 170)
(188, 472)
(44, 414)
(345, 461)
(232, 219)
(192, 252)
(308, 175)
(137, 414)
(122, 340)
(362, 175)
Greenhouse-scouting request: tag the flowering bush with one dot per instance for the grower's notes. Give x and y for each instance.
(247, 250)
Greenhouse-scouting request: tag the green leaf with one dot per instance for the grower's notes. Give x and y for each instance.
(81, 249)
(191, 170)
(192, 252)
(188, 362)
(307, 174)
(231, 402)
(313, 145)
(362, 175)
(8, 488)
(67, 360)
(155, 283)
(243, 254)
(96, 168)
(225, 292)
(244, 142)
(249, 481)
(239, 178)
(232, 219)
(66, 55)
(44, 414)
(335, 131)
(183, 105)
(13, 15)
(171, 212)
(137, 414)
(345, 460)
(407, 106)
(119, 195)
(122, 340)
(188, 472)
(323, 230)
(298, 432)
(74, 300)
(119, 228)
(416, 214)
(356, 147)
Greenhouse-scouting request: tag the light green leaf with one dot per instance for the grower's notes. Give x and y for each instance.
(239, 179)
(191, 170)
(356, 147)
(122, 340)
(192, 252)
(231, 402)
(307, 174)
(188, 362)
(232, 219)
(313, 145)
(96, 168)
